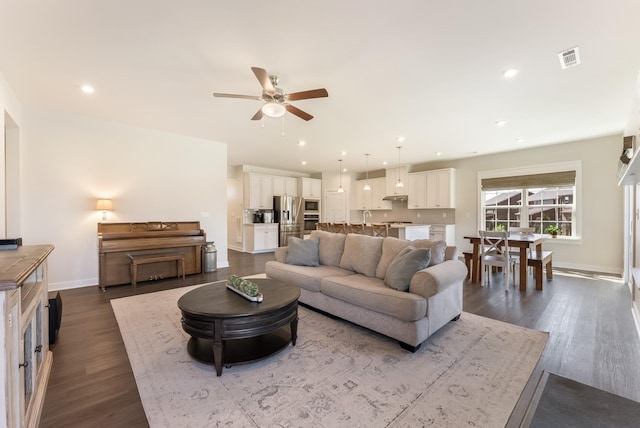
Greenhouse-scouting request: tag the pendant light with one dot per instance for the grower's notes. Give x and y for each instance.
(399, 183)
(340, 188)
(367, 186)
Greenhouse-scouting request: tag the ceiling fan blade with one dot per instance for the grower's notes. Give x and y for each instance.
(248, 97)
(301, 114)
(305, 95)
(258, 115)
(263, 78)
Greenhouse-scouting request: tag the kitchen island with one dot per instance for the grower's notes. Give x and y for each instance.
(409, 231)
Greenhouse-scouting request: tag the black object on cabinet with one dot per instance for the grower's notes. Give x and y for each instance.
(55, 317)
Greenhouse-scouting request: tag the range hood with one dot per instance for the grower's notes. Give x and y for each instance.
(395, 198)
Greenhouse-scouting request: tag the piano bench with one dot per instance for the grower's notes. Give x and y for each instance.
(154, 258)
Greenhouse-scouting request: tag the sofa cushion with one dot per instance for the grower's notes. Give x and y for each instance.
(390, 249)
(407, 262)
(371, 293)
(306, 277)
(362, 253)
(330, 248)
(437, 249)
(303, 252)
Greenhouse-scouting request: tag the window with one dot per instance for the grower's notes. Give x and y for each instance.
(535, 200)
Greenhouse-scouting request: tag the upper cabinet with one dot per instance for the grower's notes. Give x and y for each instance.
(258, 191)
(392, 176)
(441, 186)
(311, 188)
(431, 189)
(285, 186)
(417, 190)
(372, 199)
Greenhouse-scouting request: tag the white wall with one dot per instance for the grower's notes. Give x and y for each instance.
(70, 161)
(10, 120)
(600, 248)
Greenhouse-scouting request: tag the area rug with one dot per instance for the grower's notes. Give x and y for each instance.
(470, 373)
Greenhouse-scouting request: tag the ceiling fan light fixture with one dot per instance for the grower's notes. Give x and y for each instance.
(274, 110)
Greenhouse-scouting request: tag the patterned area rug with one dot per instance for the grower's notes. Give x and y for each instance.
(470, 373)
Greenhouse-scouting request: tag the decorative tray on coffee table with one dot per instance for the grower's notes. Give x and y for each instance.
(257, 298)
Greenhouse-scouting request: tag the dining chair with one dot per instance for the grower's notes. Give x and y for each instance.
(521, 231)
(356, 228)
(380, 229)
(338, 227)
(495, 252)
(322, 226)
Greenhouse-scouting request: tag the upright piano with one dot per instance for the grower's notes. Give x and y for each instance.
(119, 243)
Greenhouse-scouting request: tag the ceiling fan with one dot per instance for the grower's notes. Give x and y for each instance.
(276, 101)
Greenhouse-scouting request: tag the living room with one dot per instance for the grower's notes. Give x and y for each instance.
(157, 165)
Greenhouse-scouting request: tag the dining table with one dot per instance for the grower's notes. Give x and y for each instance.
(522, 241)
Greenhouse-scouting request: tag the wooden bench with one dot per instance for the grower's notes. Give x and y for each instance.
(154, 258)
(540, 260)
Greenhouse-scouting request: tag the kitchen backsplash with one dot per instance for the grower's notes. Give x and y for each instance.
(400, 212)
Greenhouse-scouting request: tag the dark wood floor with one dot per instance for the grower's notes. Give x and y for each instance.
(593, 340)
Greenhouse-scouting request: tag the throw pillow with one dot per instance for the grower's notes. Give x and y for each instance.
(408, 261)
(361, 254)
(331, 247)
(437, 249)
(302, 252)
(391, 247)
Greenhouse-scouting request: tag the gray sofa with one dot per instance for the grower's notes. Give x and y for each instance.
(350, 280)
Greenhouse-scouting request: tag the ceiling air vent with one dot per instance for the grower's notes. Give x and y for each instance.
(569, 58)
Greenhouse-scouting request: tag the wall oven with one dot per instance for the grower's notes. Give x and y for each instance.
(310, 220)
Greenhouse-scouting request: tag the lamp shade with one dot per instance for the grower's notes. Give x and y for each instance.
(274, 109)
(104, 205)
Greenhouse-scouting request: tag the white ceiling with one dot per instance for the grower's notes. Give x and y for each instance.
(427, 70)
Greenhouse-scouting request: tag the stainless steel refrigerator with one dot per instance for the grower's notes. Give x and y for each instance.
(287, 211)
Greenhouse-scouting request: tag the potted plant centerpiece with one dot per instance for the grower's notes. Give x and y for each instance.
(552, 230)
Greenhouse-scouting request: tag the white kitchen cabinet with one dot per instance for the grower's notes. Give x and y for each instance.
(285, 186)
(311, 188)
(27, 360)
(372, 199)
(441, 188)
(443, 232)
(417, 190)
(261, 237)
(392, 175)
(258, 191)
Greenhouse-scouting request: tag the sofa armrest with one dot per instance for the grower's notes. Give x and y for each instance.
(434, 279)
(281, 254)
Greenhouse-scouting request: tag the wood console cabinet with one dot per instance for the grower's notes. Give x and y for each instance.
(25, 367)
(118, 242)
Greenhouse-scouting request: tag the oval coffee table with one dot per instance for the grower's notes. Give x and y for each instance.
(227, 329)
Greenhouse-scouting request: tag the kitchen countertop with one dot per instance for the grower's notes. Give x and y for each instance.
(405, 225)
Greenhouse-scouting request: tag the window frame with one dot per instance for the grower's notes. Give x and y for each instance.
(576, 215)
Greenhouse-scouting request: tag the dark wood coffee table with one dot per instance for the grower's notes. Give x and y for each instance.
(227, 329)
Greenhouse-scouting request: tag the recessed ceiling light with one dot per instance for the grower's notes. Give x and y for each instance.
(304, 162)
(87, 89)
(509, 73)
(438, 153)
(400, 139)
(343, 153)
(384, 162)
(302, 143)
(520, 140)
(501, 123)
